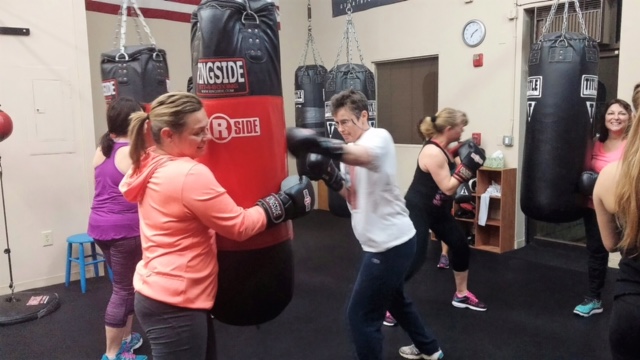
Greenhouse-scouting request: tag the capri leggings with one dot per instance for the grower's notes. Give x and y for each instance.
(122, 256)
(446, 229)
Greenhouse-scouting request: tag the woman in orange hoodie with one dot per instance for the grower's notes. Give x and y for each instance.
(182, 207)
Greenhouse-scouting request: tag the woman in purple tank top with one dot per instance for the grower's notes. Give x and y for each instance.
(115, 227)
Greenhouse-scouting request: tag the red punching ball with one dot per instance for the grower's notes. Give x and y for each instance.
(6, 125)
(236, 73)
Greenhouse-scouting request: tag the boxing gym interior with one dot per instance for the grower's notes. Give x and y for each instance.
(411, 58)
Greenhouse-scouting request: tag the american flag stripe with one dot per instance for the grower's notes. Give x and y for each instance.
(174, 10)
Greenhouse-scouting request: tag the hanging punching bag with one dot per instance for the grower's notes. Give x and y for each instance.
(236, 73)
(561, 103)
(140, 72)
(309, 97)
(344, 77)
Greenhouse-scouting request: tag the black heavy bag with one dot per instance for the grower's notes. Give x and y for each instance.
(309, 92)
(343, 77)
(236, 72)
(140, 72)
(561, 99)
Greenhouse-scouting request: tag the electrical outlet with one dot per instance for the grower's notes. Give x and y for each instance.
(47, 238)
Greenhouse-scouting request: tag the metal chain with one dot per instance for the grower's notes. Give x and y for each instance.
(310, 43)
(116, 35)
(349, 33)
(144, 23)
(582, 25)
(549, 19)
(137, 23)
(123, 25)
(565, 15)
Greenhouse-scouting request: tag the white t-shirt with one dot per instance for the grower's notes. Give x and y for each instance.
(379, 217)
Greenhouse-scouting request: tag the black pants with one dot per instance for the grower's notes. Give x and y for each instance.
(624, 328)
(446, 228)
(598, 255)
(176, 333)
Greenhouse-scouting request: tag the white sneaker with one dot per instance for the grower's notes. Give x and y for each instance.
(412, 352)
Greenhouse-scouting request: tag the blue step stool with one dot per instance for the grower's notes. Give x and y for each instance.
(95, 259)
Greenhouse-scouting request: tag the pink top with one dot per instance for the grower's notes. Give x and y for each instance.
(601, 158)
(182, 207)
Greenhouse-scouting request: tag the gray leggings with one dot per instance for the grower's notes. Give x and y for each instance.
(176, 333)
(122, 256)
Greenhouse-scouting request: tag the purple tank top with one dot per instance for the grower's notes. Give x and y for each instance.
(112, 217)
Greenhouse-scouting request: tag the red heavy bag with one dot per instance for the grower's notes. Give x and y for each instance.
(561, 104)
(236, 73)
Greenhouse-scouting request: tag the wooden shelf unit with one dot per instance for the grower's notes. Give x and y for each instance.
(498, 233)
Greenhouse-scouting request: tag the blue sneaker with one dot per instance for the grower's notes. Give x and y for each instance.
(588, 307)
(133, 343)
(125, 356)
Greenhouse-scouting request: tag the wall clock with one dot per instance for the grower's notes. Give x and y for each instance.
(473, 33)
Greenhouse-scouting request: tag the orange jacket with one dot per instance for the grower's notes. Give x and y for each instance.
(179, 203)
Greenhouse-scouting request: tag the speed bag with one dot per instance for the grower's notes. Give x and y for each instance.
(309, 97)
(140, 72)
(343, 77)
(236, 74)
(561, 104)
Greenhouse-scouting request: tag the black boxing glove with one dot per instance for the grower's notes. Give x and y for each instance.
(587, 182)
(302, 141)
(318, 167)
(472, 158)
(296, 199)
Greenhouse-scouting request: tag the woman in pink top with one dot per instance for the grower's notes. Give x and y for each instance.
(609, 146)
(182, 207)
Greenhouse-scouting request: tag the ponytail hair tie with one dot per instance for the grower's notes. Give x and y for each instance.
(434, 118)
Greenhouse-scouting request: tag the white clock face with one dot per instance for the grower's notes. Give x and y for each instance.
(473, 33)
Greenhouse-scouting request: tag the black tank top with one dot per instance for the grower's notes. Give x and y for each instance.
(628, 282)
(424, 190)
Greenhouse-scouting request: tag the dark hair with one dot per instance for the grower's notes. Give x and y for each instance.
(167, 111)
(353, 100)
(118, 119)
(603, 132)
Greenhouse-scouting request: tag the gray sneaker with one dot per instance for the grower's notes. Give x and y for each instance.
(412, 352)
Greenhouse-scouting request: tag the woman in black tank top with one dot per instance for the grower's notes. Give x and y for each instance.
(430, 200)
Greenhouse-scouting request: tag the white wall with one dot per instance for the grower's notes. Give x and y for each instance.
(45, 88)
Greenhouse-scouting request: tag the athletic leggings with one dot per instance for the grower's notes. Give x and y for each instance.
(122, 256)
(176, 333)
(624, 328)
(446, 229)
(598, 255)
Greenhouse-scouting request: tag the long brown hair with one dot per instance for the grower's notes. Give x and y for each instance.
(167, 111)
(627, 193)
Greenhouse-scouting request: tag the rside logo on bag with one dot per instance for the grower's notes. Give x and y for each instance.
(110, 90)
(299, 97)
(589, 86)
(221, 77)
(223, 128)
